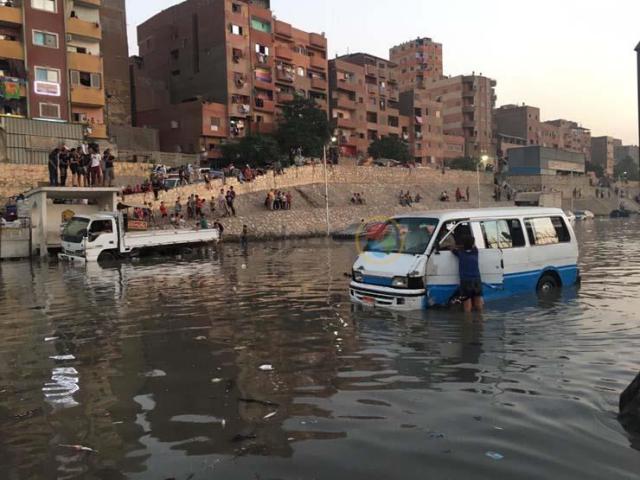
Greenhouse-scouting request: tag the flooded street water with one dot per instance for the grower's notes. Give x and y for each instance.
(207, 369)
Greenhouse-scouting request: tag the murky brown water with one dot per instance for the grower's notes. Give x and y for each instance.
(157, 367)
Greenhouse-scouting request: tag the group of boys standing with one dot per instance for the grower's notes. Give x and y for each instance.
(88, 168)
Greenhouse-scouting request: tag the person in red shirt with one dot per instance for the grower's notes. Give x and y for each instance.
(164, 212)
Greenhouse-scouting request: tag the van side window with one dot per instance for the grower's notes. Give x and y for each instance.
(561, 229)
(454, 239)
(503, 234)
(542, 231)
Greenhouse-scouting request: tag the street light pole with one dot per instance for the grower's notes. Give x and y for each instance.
(326, 189)
(638, 79)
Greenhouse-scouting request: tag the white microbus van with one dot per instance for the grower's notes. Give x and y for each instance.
(408, 264)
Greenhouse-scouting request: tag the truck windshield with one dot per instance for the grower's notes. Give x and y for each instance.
(404, 235)
(75, 230)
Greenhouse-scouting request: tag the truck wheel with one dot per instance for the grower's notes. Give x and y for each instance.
(107, 257)
(548, 285)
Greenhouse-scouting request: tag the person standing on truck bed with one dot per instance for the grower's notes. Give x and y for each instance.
(470, 279)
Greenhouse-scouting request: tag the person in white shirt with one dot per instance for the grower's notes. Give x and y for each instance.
(95, 170)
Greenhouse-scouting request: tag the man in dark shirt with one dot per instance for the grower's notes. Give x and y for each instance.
(470, 279)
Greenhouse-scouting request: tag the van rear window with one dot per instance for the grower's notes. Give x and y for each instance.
(547, 231)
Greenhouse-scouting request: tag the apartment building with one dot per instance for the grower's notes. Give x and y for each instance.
(467, 110)
(429, 144)
(233, 53)
(418, 61)
(51, 66)
(365, 103)
(603, 152)
(347, 110)
(524, 122)
(624, 151)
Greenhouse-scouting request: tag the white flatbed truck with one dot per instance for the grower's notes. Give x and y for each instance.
(103, 237)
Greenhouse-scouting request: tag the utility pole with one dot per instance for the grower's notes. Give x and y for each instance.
(638, 79)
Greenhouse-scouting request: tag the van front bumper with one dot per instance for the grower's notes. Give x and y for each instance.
(390, 298)
(67, 257)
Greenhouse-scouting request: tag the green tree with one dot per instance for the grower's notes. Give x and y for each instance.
(464, 163)
(595, 168)
(390, 147)
(626, 168)
(303, 124)
(256, 150)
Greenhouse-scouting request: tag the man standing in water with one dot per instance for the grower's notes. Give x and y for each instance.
(470, 279)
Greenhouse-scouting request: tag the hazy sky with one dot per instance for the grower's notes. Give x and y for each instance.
(572, 58)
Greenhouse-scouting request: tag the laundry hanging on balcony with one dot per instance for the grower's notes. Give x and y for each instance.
(10, 88)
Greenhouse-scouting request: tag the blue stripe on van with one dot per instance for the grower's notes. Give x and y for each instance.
(514, 283)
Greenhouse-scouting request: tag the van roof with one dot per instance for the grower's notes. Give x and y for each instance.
(484, 213)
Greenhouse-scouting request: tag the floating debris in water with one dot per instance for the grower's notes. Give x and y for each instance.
(266, 367)
(498, 428)
(154, 374)
(244, 266)
(216, 380)
(201, 338)
(494, 455)
(269, 415)
(62, 357)
(50, 339)
(79, 448)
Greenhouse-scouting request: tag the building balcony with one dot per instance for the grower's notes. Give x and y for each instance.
(88, 3)
(371, 70)
(84, 29)
(347, 85)
(264, 105)
(267, 84)
(318, 83)
(284, 52)
(285, 97)
(317, 40)
(321, 103)
(283, 76)
(346, 123)
(318, 63)
(282, 28)
(84, 62)
(344, 102)
(242, 109)
(87, 96)
(97, 131)
(11, 49)
(11, 15)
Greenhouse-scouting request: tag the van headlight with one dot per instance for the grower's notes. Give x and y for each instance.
(357, 276)
(399, 282)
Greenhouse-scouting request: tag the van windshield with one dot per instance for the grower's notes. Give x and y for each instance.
(410, 236)
(75, 230)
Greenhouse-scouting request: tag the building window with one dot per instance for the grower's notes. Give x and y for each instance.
(45, 39)
(86, 79)
(300, 71)
(236, 29)
(262, 49)
(49, 110)
(47, 81)
(46, 5)
(236, 8)
(260, 25)
(215, 124)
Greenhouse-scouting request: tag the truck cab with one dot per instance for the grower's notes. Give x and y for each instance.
(87, 237)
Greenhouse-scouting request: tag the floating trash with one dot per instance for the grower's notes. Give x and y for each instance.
(494, 455)
(244, 266)
(269, 415)
(216, 380)
(201, 338)
(79, 448)
(154, 374)
(62, 357)
(498, 428)
(50, 339)
(266, 367)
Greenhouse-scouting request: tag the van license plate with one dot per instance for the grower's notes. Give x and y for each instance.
(369, 300)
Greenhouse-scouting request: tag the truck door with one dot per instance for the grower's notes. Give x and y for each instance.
(102, 234)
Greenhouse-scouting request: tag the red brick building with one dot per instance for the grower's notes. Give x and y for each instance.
(233, 53)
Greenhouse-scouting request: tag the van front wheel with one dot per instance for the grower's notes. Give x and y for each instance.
(548, 285)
